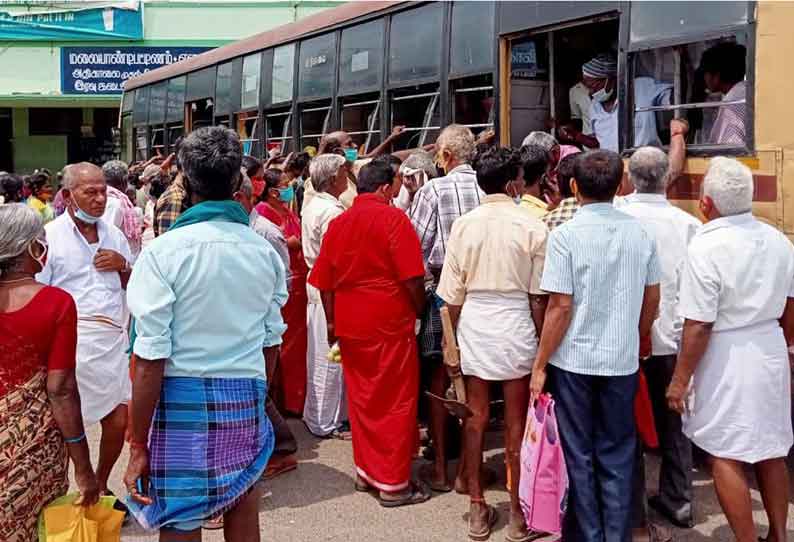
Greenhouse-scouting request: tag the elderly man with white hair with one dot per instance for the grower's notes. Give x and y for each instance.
(90, 258)
(325, 411)
(650, 171)
(732, 381)
(547, 142)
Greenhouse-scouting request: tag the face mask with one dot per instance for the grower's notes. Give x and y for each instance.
(602, 95)
(41, 260)
(286, 194)
(351, 154)
(82, 216)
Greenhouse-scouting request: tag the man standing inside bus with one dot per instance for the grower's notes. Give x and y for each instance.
(723, 69)
(600, 76)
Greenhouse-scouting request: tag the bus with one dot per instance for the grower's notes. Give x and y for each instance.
(367, 67)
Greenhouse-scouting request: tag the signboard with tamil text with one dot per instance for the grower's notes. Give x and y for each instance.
(84, 21)
(104, 70)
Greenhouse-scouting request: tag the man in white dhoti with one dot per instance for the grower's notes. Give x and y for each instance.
(89, 258)
(491, 284)
(325, 411)
(737, 295)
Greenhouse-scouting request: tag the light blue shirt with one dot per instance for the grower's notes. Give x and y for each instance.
(207, 298)
(604, 259)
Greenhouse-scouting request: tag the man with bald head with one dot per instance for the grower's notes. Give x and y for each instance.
(89, 258)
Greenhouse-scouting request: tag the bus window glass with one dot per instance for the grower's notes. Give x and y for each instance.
(200, 84)
(283, 68)
(361, 62)
(127, 101)
(157, 103)
(360, 118)
(247, 130)
(176, 100)
(158, 141)
(473, 104)
(317, 64)
(223, 89)
(472, 47)
(314, 125)
(663, 21)
(416, 108)
(201, 113)
(126, 138)
(415, 43)
(141, 143)
(250, 94)
(716, 116)
(174, 132)
(140, 114)
(278, 130)
(529, 87)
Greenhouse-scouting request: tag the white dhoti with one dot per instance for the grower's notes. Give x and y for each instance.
(325, 408)
(497, 336)
(740, 403)
(103, 376)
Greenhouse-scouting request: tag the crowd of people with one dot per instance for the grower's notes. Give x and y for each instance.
(189, 304)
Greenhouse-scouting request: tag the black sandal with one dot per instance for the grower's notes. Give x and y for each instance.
(417, 495)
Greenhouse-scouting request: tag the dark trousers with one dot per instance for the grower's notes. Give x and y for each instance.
(285, 443)
(675, 476)
(596, 420)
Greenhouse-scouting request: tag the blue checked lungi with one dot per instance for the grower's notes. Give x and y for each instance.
(210, 442)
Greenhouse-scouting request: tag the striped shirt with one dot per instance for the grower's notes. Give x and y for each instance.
(729, 126)
(604, 259)
(436, 206)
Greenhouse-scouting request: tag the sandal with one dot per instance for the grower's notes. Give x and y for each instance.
(493, 516)
(213, 524)
(279, 465)
(361, 485)
(426, 476)
(417, 494)
(529, 537)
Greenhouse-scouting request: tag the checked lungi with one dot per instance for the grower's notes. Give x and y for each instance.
(210, 442)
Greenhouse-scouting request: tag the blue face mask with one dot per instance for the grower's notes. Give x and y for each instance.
(351, 154)
(82, 216)
(286, 194)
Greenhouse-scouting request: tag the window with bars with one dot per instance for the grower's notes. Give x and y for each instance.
(314, 124)
(247, 130)
(473, 102)
(158, 141)
(141, 143)
(416, 108)
(278, 130)
(174, 132)
(360, 118)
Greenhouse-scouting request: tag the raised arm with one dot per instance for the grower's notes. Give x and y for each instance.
(677, 153)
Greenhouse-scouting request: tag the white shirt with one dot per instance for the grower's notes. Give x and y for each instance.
(580, 103)
(320, 211)
(738, 273)
(673, 230)
(114, 214)
(70, 266)
(647, 92)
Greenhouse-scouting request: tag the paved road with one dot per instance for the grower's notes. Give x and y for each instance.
(317, 503)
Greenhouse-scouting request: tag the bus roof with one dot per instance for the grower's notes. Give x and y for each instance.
(276, 36)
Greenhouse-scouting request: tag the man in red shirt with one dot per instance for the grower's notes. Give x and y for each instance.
(370, 274)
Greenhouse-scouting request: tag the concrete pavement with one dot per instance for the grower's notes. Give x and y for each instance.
(317, 503)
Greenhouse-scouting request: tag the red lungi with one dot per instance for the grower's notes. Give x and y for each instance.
(292, 363)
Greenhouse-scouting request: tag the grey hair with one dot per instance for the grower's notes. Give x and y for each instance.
(458, 140)
(19, 226)
(211, 158)
(541, 139)
(323, 168)
(648, 168)
(729, 184)
(421, 160)
(71, 173)
(115, 172)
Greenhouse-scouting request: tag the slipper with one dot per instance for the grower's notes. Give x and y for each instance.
(493, 517)
(361, 486)
(213, 524)
(529, 537)
(426, 477)
(279, 466)
(418, 494)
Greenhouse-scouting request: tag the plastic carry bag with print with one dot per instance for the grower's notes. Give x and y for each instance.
(543, 486)
(64, 521)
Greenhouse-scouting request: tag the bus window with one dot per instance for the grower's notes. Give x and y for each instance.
(126, 138)
(223, 90)
(158, 141)
(529, 87)
(247, 130)
(252, 64)
(473, 104)
(472, 43)
(157, 103)
(278, 130)
(175, 100)
(317, 67)
(141, 143)
(283, 71)
(717, 116)
(360, 118)
(415, 43)
(314, 124)
(140, 113)
(361, 58)
(174, 132)
(417, 109)
(201, 112)
(222, 120)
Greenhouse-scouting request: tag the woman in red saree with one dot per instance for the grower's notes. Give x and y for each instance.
(290, 385)
(40, 421)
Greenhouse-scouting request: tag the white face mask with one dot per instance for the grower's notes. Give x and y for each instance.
(602, 95)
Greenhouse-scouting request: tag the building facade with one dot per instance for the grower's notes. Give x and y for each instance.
(63, 65)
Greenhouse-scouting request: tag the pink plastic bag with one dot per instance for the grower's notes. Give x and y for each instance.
(543, 486)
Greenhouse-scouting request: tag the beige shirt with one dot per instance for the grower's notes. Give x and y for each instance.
(497, 247)
(534, 205)
(322, 209)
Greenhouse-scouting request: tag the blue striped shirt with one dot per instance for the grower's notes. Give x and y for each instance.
(604, 259)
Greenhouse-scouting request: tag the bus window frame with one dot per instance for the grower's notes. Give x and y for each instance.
(453, 90)
(699, 150)
(358, 100)
(288, 139)
(314, 107)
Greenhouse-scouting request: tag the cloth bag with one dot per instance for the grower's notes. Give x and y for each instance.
(64, 521)
(643, 414)
(543, 486)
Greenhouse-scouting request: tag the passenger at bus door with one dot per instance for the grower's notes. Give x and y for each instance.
(723, 69)
(599, 75)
